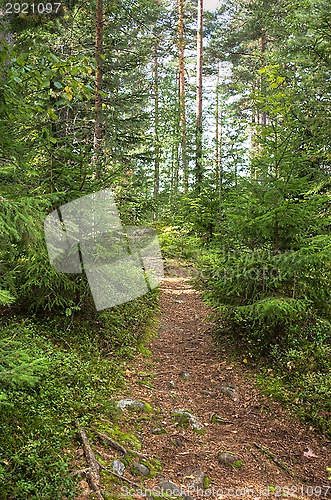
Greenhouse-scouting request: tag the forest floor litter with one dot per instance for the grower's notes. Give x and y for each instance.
(198, 411)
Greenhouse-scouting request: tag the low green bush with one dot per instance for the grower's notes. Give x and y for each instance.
(179, 241)
(301, 379)
(267, 297)
(74, 366)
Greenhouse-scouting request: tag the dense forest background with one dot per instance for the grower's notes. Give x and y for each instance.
(212, 127)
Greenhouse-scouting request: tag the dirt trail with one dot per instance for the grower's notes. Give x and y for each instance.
(182, 344)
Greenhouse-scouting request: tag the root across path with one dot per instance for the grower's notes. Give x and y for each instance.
(210, 431)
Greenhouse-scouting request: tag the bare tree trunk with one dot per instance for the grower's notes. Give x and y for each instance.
(216, 117)
(199, 99)
(5, 35)
(182, 95)
(263, 49)
(176, 172)
(220, 169)
(97, 143)
(156, 131)
(177, 140)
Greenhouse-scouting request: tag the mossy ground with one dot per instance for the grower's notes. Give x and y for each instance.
(83, 363)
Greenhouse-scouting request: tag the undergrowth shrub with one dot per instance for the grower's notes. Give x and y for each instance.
(125, 326)
(179, 241)
(79, 368)
(265, 297)
(301, 379)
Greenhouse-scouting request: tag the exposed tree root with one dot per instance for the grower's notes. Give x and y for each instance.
(120, 477)
(93, 473)
(274, 459)
(114, 444)
(117, 446)
(79, 472)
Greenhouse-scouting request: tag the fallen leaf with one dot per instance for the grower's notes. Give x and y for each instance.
(309, 453)
(128, 373)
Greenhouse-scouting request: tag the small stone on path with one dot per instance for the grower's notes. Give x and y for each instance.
(118, 467)
(191, 418)
(131, 404)
(141, 469)
(229, 390)
(229, 459)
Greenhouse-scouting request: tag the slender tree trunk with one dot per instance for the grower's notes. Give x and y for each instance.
(263, 49)
(276, 195)
(172, 171)
(220, 169)
(182, 96)
(253, 142)
(98, 88)
(177, 138)
(216, 117)
(199, 99)
(156, 131)
(5, 35)
(176, 172)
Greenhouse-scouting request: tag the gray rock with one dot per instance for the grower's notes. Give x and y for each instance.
(138, 405)
(163, 327)
(229, 390)
(141, 469)
(186, 497)
(199, 478)
(177, 442)
(118, 467)
(229, 459)
(196, 425)
(208, 393)
(159, 430)
(172, 488)
(185, 376)
(131, 404)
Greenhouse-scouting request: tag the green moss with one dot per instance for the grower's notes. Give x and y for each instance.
(148, 408)
(153, 464)
(200, 431)
(125, 438)
(237, 464)
(144, 418)
(206, 482)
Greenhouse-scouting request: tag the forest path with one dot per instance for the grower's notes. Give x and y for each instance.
(185, 371)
